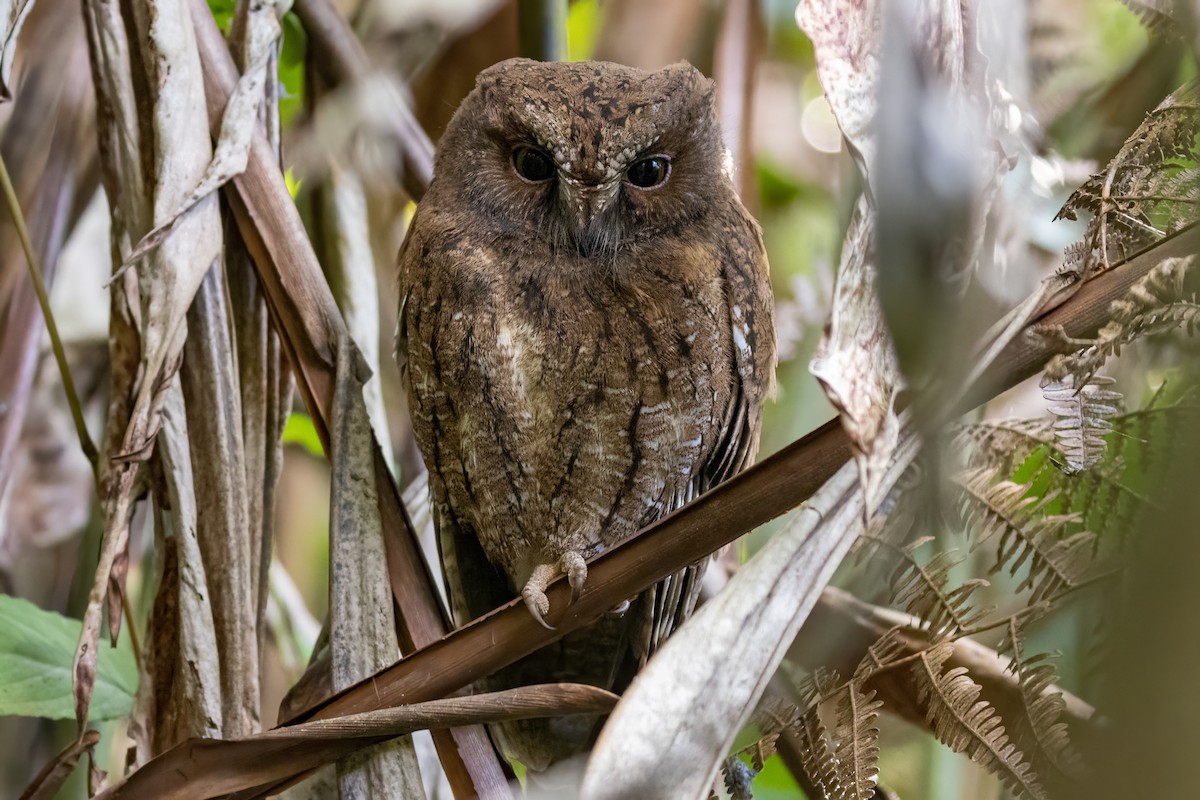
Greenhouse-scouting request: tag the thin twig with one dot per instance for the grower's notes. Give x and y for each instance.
(39, 287)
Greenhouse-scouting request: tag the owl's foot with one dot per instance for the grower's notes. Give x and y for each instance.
(534, 594)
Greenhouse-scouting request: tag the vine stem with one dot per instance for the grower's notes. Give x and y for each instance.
(39, 287)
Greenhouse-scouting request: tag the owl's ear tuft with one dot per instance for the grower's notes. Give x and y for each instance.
(681, 79)
(683, 75)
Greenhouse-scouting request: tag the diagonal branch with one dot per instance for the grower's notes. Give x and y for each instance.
(201, 767)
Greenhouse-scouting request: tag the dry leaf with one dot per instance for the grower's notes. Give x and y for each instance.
(258, 37)
(12, 17)
(210, 768)
(855, 361)
(214, 426)
(51, 778)
(177, 698)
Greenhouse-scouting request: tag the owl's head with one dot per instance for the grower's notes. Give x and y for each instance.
(591, 157)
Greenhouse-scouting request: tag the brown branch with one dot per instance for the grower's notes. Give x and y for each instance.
(216, 768)
(304, 312)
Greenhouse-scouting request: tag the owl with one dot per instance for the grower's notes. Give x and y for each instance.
(586, 339)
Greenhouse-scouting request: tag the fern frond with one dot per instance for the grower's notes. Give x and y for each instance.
(1085, 415)
(1028, 535)
(817, 757)
(1106, 497)
(1157, 15)
(1154, 305)
(1040, 732)
(923, 589)
(968, 725)
(882, 653)
(1001, 444)
(1129, 205)
(856, 736)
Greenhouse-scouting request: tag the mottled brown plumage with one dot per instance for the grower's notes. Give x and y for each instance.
(582, 354)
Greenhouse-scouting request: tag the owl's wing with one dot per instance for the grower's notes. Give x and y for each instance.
(750, 307)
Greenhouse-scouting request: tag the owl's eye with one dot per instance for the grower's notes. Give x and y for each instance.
(533, 164)
(649, 172)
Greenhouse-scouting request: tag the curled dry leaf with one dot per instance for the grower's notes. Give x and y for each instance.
(675, 724)
(855, 361)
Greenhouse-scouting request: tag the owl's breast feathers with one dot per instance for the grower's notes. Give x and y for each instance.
(557, 407)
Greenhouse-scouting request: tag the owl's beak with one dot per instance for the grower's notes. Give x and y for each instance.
(588, 206)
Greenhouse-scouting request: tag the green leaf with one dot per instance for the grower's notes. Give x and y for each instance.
(36, 652)
(299, 429)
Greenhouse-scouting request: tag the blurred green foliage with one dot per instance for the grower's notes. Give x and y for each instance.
(299, 430)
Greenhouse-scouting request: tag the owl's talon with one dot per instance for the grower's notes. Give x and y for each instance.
(538, 605)
(569, 564)
(575, 568)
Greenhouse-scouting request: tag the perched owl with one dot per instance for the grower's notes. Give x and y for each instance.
(586, 337)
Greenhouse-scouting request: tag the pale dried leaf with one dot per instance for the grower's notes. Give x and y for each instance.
(214, 426)
(148, 321)
(12, 17)
(261, 31)
(845, 35)
(675, 724)
(855, 361)
(177, 698)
